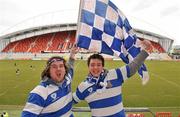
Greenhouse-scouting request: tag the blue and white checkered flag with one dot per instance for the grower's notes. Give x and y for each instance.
(103, 28)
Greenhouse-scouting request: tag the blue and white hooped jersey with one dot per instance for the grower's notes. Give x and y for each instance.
(50, 100)
(104, 101)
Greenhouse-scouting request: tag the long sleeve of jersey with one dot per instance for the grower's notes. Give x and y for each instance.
(71, 67)
(137, 62)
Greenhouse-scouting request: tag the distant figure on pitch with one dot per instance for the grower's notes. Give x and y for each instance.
(17, 71)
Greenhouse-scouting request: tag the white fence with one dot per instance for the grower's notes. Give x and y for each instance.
(84, 56)
(43, 56)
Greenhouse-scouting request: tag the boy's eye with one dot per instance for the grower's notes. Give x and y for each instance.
(55, 66)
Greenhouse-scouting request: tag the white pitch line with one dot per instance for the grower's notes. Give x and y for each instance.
(173, 107)
(15, 86)
(3, 93)
(170, 82)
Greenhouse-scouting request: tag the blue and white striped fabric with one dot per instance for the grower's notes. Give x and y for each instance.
(104, 100)
(103, 28)
(50, 100)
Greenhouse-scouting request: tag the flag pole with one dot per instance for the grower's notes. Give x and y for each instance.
(78, 21)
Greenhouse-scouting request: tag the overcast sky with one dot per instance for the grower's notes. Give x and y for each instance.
(158, 16)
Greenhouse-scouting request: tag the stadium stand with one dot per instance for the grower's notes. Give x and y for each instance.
(23, 45)
(157, 47)
(61, 41)
(10, 47)
(57, 42)
(40, 43)
(175, 52)
(60, 38)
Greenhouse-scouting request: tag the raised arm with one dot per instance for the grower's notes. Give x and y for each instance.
(140, 58)
(131, 68)
(73, 52)
(137, 62)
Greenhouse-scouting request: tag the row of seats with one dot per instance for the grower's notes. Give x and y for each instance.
(157, 47)
(154, 47)
(60, 41)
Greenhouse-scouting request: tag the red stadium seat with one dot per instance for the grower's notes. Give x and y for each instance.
(135, 115)
(163, 114)
(59, 41)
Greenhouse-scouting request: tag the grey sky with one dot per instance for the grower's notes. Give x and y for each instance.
(158, 16)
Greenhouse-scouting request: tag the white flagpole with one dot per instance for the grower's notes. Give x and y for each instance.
(78, 21)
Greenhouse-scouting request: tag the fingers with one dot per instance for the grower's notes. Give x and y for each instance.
(145, 45)
(74, 50)
(75, 45)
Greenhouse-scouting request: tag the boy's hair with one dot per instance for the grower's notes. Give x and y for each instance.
(46, 71)
(96, 56)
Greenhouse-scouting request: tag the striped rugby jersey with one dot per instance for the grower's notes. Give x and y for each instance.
(104, 98)
(50, 100)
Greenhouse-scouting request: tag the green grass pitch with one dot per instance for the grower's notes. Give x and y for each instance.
(162, 91)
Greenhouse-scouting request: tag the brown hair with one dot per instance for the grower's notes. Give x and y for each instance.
(96, 56)
(49, 62)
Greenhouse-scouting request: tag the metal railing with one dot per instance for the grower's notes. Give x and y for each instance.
(127, 109)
